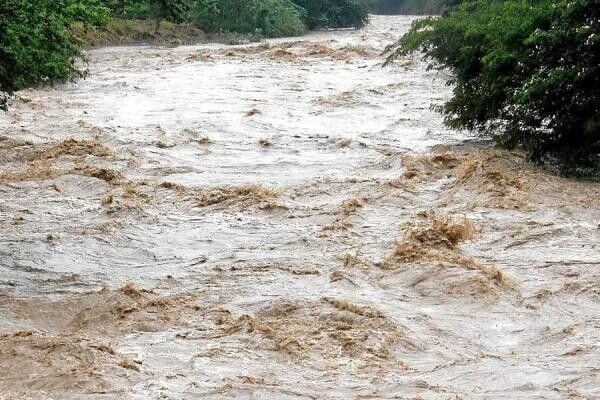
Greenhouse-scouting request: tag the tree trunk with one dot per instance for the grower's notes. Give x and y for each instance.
(157, 26)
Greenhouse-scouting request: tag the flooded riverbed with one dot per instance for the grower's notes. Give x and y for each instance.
(284, 220)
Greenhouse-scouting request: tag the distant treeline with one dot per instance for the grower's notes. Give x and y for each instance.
(410, 7)
(270, 18)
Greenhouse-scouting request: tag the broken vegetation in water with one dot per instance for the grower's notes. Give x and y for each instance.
(330, 331)
(295, 51)
(15, 150)
(246, 194)
(496, 176)
(435, 240)
(346, 210)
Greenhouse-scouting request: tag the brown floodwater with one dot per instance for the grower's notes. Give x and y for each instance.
(284, 220)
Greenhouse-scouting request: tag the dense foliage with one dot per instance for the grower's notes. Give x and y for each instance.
(526, 72)
(269, 18)
(335, 13)
(410, 7)
(35, 42)
(171, 10)
(263, 17)
(266, 17)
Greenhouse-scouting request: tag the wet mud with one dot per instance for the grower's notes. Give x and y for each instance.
(285, 220)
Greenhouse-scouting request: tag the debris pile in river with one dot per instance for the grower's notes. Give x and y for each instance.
(435, 241)
(245, 194)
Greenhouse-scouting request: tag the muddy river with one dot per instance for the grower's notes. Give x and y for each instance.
(284, 220)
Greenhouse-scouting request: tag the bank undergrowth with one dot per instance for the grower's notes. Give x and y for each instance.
(412, 7)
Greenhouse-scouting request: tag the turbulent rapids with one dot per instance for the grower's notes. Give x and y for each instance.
(284, 220)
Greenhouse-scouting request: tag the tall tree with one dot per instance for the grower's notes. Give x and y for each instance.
(171, 10)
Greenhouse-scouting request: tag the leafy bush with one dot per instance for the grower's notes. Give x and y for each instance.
(335, 13)
(170, 10)
(35, 42)
(410, 7)
(269, 18)
(265, 17)
(525, 72)
(137, 10)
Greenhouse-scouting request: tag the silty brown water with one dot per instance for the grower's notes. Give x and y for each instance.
(284, 220)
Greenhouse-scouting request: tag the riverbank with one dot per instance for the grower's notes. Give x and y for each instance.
(119, 32)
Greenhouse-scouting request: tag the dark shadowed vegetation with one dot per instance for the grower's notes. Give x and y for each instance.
(270, 18)
(411, 7)
(261, 17)
(524, 72)
(335, 13)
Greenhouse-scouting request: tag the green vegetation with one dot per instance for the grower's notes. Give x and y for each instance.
(526, 72)
(36, 44)
(270, 18)
(157, 10)
(410, 7)
(335, 13)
